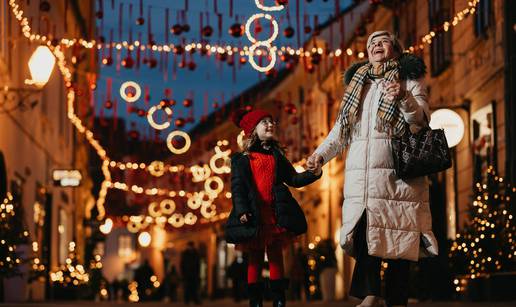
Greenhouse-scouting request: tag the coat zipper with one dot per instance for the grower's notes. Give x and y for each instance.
(366, 187)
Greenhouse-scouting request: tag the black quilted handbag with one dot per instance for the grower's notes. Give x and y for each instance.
(420, 154)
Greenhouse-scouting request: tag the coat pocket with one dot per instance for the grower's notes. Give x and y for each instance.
(236, 232)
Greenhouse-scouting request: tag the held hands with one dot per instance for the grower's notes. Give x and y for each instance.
(393, 91)
(314, 163)
(244, 218)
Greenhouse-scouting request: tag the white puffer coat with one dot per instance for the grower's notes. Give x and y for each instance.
(398, 212)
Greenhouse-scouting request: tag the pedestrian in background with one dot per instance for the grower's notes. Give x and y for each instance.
(191, 273)
(265, 217)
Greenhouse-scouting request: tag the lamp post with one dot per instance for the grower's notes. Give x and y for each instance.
(41, 65)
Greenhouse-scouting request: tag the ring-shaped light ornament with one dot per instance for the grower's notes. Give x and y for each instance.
(224, 156)
(274, 32)
(190, 218)
(200, 173)
(133, 226)
(208, 211)
(196, 200)
(152, 122)
(154, 209)
(177, 220)
(268, 8)
(272, 52)
(157, 168)
(167, 206)
(213, 192)
(175, 150)
(137, 93)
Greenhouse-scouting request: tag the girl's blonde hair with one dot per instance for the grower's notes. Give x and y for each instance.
(249, 141)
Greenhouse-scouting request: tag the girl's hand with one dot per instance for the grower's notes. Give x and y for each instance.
(243, 218)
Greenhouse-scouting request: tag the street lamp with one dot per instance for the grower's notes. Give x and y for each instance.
(41, 65)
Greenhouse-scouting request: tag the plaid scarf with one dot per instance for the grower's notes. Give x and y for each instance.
(389, 117)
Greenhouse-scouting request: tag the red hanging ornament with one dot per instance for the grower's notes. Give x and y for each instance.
(99, 14)
(180, 122)
(289, 32)
(294, 120)
(248, 108)
(187, 103)
(271, 72)
(290, 65)
(192, 65)
(152, 62)
(236, 30)
(108, 104)
(141, 112)
(165, 102)
(207, 31)
(178, 49)
(44, 6)
(316, 58)
(307, 29)
(222, 56)
(108, 60)
(128, 62)
(281, 2)
(243, 60)
(215, 105)
(140, 21)
(176, 29)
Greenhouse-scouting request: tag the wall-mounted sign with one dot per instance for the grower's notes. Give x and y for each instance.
(66, 178)
(452, 124)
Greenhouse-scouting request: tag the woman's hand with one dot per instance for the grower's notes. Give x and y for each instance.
(314, 163)
(393, 91)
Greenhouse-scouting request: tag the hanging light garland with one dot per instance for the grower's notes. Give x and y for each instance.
(248, 51)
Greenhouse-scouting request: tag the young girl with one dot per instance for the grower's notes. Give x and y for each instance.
(265, 216)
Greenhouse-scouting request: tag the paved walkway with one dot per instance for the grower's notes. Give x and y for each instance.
(229, 303)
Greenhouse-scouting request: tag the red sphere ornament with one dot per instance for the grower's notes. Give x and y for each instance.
(54, 42)
(179, 49)
(164, 102)
(290, 65)
(102, 39)
(152, 63)
(107, 61)
(187, 103)
(207, 31)
(222, 57)
(172, 102)
(99, 14)
(215, 105)
(316, 58)
(190, 119)
(231, 62)
(281, 2)
(186, 28)
(176, 29)
(290, 108)
(141, 112)
(288, 32)
(243, 60)
(307, 29)
(204, 118)
(236, 30)
(134, 134)
(140, 21)
(128, 62)
(271, 73)
(108, 104)
(248, 108)
(192, 65)
(180, 122)
(310, 69)
(294, 120)
(181, 64)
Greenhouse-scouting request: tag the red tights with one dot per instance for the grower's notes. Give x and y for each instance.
(275, 257)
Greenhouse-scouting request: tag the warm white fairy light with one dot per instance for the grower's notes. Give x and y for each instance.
(137, 91)
(263, 43)
(222, 155)
(210, 190)
(153, 123)
(269, 8)
(200, 173)
(171, 146)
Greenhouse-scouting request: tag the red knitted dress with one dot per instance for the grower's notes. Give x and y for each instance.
(263, 169)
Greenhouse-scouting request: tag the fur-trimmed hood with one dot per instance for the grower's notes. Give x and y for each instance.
(411, 67)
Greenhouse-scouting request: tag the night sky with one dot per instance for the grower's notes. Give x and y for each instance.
(211, 81)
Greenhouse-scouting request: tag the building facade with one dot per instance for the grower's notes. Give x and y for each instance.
(37, 139)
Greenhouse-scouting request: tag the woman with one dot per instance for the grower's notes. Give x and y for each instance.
(383, 216)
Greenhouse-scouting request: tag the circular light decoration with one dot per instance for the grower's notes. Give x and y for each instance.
(200, 173)
(175, 150)
(167, 206)
(154, 210)
(222, 155)
(137, 91)
(258, 16)
(144, 239)
(133, 226)
(265, 43)
(190, 218)
(452, 124)
(208, 211)
(268, 8)
(150, 117)
(195, 202)
(213, 192)
(157, 168)
(176, 220)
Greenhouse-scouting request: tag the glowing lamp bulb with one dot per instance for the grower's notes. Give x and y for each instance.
(107, 226)
(41, 64)
(144, 239)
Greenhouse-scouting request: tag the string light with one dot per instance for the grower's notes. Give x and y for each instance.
(171, 146)
(268, 8)
(263, 43)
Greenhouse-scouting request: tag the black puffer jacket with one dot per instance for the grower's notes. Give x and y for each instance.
(244, 195)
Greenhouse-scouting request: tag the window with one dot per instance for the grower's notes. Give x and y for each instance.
(483, 18)
(440, 49)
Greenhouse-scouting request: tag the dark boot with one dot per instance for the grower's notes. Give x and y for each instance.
(255, 294)
(278, 288)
